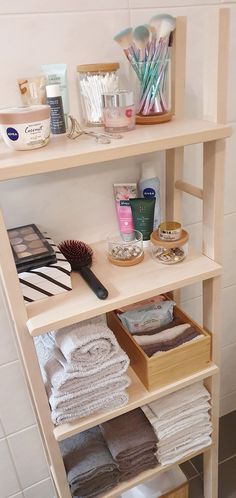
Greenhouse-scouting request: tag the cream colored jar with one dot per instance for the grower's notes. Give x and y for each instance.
(25, 128)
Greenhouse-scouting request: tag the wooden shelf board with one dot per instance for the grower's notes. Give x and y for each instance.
(125, 286)
(138, 396)
(62, 153)
(148, 474)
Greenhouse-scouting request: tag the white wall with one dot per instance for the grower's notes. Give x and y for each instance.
(77, 31)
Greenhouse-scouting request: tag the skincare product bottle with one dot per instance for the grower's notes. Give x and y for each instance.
(56, 74)
(54, 100)
(143, 213)
(149, 188)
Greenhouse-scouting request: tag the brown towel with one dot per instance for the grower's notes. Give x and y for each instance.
(186, 336)
(90, 467)
(134, 471)
(176, 321)
(128, 437)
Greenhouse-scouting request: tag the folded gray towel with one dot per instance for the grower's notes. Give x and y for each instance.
(129, 436)
(90, 467)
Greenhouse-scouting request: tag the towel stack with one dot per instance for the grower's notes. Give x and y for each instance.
(89, 465)
(181, 422)
(132, 443)
(84, 370)
(168, 337)
(97, 459)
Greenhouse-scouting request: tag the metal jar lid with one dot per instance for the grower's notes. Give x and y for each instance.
(123, 98)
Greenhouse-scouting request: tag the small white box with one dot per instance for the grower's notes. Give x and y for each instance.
(48, 280)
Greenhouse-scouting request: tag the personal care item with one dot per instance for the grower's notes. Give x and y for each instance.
(123, 253)
(143, 214)
(118, 111)
(80, 256)
(170, 230)
(123, 193)
(149, 188)
(146, 319)
(147, 48)
(141, 304)
(169, 252)
(56, 74)
(30, 248)
(54, 100)
(32, 90)
(25, 128)
(93, 80)
(75, 130)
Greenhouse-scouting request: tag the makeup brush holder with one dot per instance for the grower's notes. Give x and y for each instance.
(93, 81)
(152, 91)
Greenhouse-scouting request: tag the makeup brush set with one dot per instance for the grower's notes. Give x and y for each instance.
(148, 50)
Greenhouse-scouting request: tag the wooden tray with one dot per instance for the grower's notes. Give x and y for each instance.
(172, 365)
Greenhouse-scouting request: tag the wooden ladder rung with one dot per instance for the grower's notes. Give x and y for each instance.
(189, 189)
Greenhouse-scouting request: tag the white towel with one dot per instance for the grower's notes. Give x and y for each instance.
(100, 404)
(86, 344)
(165, 335)
(186, 449)
(173, 404)
(60, 381)
(184, 436)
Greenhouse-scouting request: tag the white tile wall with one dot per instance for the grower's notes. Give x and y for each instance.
(75, 32)
(8, 483)
(28, 456)
(43, 489)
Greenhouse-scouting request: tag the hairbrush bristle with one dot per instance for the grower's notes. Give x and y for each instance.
(77, 253)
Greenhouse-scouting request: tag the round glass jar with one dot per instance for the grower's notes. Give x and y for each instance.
(169, 252)
(118, 111)
(93, 80)
(122, 253)
(170, 230)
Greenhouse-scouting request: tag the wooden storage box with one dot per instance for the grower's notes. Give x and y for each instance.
(172, 365)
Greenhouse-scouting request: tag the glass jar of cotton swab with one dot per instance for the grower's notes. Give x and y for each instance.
(95, 80)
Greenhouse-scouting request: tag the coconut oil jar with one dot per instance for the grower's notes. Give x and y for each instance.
(26, 127)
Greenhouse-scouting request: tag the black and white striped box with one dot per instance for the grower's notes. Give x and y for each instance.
(48, 280)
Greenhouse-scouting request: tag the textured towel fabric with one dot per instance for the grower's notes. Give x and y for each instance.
(188, 335)
(166, 335)
(129, 435)
(60, 381)
(132, 443)
(89, 465)
(181, 422)
(110, 401)
(87, 344)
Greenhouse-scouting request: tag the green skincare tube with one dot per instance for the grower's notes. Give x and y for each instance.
(143, 215)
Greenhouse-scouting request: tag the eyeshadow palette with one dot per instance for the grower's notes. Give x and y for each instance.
(30, 248)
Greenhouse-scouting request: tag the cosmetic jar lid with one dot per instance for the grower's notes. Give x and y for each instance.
(53, 91)
(168, 244)
(123, 98)
(106, 67)
(170, 230)
(24, 114)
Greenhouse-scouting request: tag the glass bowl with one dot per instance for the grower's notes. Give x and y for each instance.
(123, 253)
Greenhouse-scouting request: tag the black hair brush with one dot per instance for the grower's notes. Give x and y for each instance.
(80, 257)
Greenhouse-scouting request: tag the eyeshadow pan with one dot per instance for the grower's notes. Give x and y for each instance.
(24, 254)
(16, 240)
(32, 236)
(26, 230)
(35, 244)
(13, 234)
(38, 251)
(20, 248)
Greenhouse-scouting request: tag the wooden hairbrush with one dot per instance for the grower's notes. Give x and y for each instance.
(80, 257)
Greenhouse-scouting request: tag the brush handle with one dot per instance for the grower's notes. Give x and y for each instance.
(93, 282)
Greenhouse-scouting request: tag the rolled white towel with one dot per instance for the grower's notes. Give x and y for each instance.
(86, 344)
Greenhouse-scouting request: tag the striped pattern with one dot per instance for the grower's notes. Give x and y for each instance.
(48, 280)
